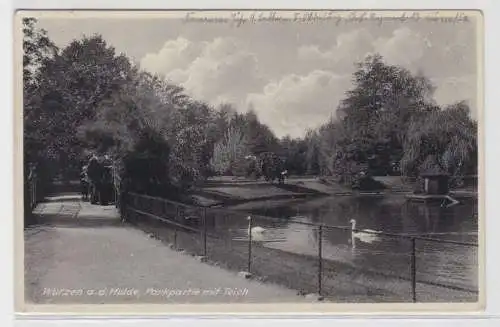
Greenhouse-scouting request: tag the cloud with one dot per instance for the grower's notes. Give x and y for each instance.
(213, 71)
(175, 54)
(349, 47)
(296, 103)
(312, 78)
(404, 47)
(457, 88)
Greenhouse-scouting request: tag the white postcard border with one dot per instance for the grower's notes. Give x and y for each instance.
(489, 112)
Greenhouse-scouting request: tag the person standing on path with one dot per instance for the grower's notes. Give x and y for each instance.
(84, 183)
(94, 175)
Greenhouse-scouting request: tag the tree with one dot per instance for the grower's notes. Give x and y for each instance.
(259, 137)
(312, 152)
(37, 50)
(221, 121)
(229, 153)
(449, 135)
(294, 151)
(271, 165)
(187, 166)
(130, 126)
(86, 98)
(389, 123)
(147, 165)
(330, 138)
(72, 85)
(372, 121)
(377, 111)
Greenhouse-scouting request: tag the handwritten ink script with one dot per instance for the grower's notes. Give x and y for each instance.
(309, 17)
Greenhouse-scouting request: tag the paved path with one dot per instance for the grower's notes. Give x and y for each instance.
(82, 253)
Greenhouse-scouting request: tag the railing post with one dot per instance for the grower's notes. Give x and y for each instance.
(205, 232)
(31, 188)
(249, 243)
(118, 196)
(30, 193)
(32, 200)
(320, 258)
(122, 207)
(175, 237)
(159, 207)
(34, 193)
(227, 236)
(413, 270)
(175, 228)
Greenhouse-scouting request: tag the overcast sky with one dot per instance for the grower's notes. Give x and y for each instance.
(293, 74)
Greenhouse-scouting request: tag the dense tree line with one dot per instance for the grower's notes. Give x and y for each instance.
(87, 98)
(389, 124)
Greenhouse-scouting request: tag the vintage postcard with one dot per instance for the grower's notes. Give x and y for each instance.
(250, 161)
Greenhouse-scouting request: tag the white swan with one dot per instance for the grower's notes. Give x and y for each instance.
(257, 232)
(365, 235)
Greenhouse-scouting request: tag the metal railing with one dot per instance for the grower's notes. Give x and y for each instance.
(225, 237)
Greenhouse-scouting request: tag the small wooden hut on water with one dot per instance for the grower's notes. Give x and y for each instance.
(435, 182)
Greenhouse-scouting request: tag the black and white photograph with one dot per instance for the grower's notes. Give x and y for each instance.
(250, 157)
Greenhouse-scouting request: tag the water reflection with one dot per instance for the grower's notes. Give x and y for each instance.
(436, 262)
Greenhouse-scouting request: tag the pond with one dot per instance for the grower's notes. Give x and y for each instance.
(438, 262)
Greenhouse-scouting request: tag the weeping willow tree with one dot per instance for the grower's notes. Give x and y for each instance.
(449, 135)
